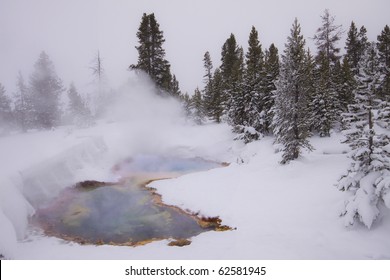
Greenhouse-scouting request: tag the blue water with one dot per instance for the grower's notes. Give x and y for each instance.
(160, 164)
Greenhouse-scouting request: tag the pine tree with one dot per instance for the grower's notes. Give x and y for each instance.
(368, 178)
(291, 122)
(5, 110)
(252, 124)
(78, 111)
(217, 109)
(231, 70)
(46, 89)
(383, 45)
(196, 107)
(151, 54)
(355, 45)
(208, 91)
(237, 108)
(347, 85)
(310, 86)
(23, 111)
(272, 66)
(175, 88)
(186, 101)
(325, 102)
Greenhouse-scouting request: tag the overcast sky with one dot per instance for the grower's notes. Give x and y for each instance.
(71, 31)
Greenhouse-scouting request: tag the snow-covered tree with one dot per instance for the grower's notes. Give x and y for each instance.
(291, 111)
(325, 102)
(78, 111)
(175, 88)
(310, 85)
(237, 106)
(46, 89)
(196, 107)
(208, 91)
(216, 102)
(347, 85)
(368, 178)
(383, 45)
(186, 101)
(272, 66)
(252, 124)
(5, 109)
(232, 72)
(23, 112)
(355, 45)
(151, 54)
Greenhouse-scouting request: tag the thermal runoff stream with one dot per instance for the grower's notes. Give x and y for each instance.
(127, 212)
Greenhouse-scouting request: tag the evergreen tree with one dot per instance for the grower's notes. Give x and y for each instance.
(151, 54)
(208, 91)
(78, 111)
(216, 104)
(347, 85)
(291, 123)
(272, 73)
(325, 102)
(46, 89)
(368, 178)
(23, 111)
(252, 123)
(355, 45)
(326, 39)
(5, 110)
(230, 57)
(310, 86)
(186, 101)
(231, 70)
(175, 88)
(384, 59)
(196, 107)
(237, 108)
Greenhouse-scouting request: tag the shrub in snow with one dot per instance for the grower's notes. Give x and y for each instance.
(368, 178)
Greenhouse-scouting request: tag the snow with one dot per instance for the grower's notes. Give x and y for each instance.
(278, 211)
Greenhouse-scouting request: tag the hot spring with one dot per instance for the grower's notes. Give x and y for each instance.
(126, 212)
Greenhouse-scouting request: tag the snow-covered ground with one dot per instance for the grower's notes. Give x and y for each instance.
(279, 211)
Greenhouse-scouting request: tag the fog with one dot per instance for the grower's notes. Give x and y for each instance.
(72, 31)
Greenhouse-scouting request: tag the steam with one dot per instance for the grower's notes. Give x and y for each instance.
(137, 100)
(144, 121)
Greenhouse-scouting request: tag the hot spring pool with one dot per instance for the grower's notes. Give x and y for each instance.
(125, 213)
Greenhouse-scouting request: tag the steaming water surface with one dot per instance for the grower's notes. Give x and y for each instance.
(124, 213)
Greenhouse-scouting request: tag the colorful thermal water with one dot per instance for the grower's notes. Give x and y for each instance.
(125, 213)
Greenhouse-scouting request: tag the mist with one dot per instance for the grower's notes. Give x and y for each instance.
(73, 31)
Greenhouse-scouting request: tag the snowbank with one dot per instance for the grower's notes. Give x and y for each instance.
(35, 172)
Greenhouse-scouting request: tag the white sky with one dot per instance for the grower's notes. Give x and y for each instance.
(71, 31)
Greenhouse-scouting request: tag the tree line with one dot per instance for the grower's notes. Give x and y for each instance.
(291, 96)
(39, 103)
